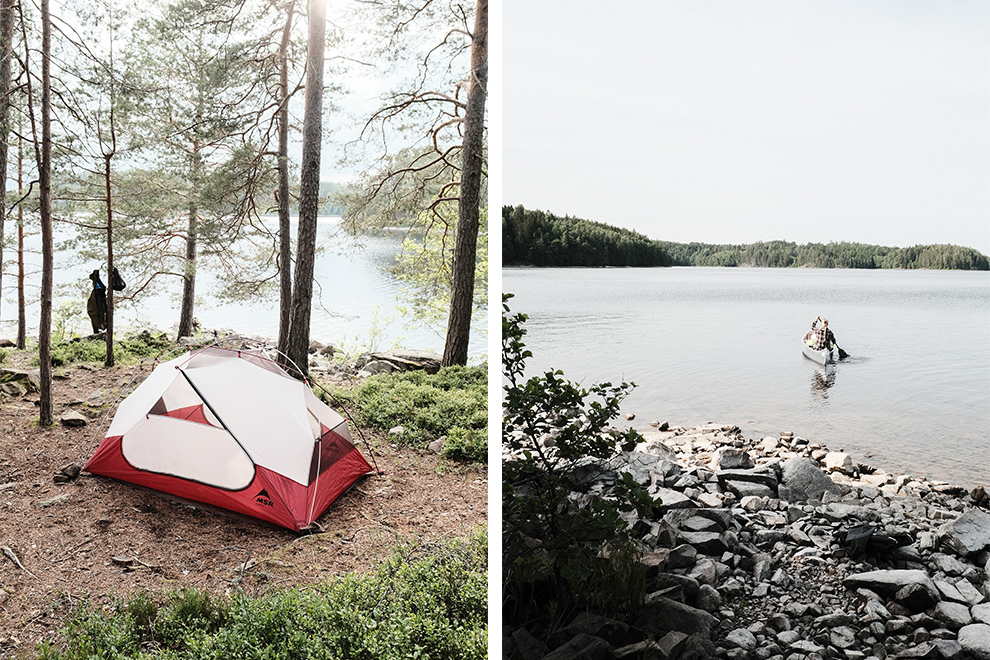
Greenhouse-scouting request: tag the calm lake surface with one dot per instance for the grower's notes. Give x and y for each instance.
(354, 300)
(721, 345)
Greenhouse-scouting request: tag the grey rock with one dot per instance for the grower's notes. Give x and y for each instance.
(662, 615)
(805, 480)
(751, 503)
(741, 638)
(947, 564)
(527, 647)
(969, 593)
(953, 615)
(616, 633)
(683, 556)
(708, 543)
(981, 613)
(788, 637)
(728, 458)
(672, 643)
(758, 475)
(917, 597)
(749, 489)
(888, 583)
(73, 418)
(672, 499)
(975, 639)
(839, 512)
(968, 534)
(842, 637)
(779, 622)
(582, 647)
(837, 461)
(708, 598)
(805, 646)
(948, 591)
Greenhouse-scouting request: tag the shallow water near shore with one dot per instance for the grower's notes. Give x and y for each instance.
(721, 345)
(354, 305)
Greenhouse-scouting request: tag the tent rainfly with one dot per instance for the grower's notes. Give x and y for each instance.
(230, 428)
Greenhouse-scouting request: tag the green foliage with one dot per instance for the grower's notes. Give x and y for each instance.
(128, 351)
(424, 266)
(782, 254)
(452, 402)
(425, 601)
(566, 547)
(536, 238)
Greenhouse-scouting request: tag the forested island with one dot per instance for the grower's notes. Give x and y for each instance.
(539, 238)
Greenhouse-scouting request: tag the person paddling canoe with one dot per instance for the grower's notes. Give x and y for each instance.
(825, 338)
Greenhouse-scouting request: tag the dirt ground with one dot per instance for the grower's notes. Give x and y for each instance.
(75, 548)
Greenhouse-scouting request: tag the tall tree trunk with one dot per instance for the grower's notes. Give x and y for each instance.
(109, 203)
(6, 54)
(455, 350)
(284, 239)
(47, 248)
(309, 188)
(192, 234)
(189, 277)
(21, 303)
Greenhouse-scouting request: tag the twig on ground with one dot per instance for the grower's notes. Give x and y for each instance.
(13, 557)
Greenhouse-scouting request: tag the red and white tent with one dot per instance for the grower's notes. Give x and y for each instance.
(231, 429)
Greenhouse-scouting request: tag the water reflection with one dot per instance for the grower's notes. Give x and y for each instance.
(821, 381)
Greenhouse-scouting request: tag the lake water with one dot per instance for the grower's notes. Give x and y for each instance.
(354, 299)
(721, 345)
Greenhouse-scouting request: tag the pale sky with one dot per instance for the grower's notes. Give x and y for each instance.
(746, 120)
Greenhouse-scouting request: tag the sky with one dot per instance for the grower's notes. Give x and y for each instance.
(740, 121)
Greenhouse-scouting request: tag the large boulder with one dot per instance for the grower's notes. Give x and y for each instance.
(661, 615)
(582, 647)
(968, 534)
(975, 638)
(805, 480)
(914, 585)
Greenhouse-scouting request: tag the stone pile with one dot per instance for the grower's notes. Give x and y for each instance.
(779, 549)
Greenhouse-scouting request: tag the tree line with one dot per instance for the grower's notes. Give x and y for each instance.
(156, 135)
(784, 254)
(539, 238)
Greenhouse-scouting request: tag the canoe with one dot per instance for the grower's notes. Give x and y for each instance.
(821, 357)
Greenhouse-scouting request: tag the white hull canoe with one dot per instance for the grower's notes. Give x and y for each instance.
(821, 357)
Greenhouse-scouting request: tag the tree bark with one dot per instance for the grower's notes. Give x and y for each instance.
(6, 54)
(109, 203)
(21, 303)
(189, 277)
(309, 189)
(455, 350)
(192, 234)
(47, 247)
(284, 238)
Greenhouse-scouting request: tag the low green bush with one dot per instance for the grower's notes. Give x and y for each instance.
(565, 553)
(126, 351)
(425, 601)
(452, 403)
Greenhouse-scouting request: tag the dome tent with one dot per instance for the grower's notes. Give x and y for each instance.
(230, 428)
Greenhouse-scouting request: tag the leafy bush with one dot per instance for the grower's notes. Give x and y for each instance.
(566, 545)
(425, 601)
(130, 350)
(452, 402)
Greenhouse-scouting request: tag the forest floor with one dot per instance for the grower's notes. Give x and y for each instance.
(67, 536)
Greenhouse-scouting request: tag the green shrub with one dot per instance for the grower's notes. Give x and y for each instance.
(559, 556)
(126, 351)
(467, 444)
(452, 402)
(425, 601)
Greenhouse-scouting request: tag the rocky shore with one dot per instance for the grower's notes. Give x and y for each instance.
(778, 549)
